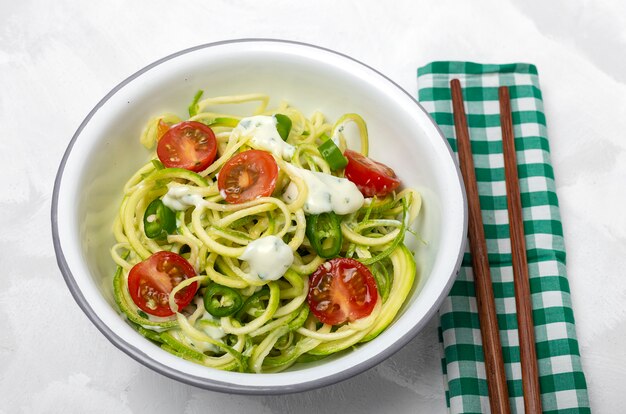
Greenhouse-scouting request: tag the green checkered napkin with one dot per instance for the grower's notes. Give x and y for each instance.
(563, 386)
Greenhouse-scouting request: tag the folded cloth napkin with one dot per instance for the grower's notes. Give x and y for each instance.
(562, 382)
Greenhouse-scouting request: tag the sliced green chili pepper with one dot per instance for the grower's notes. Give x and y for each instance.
(159, 220)
(324, 233)
(221, 300)
(332, 154)
(283, 125)
(193, 107)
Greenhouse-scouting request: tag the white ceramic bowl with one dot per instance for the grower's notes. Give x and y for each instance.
(105, 151)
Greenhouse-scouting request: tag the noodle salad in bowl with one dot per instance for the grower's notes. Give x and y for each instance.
(256, 247)
(254, 243)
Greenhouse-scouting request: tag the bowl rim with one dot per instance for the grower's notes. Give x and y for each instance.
(214, 384)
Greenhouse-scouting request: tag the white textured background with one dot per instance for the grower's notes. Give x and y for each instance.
(57, 59)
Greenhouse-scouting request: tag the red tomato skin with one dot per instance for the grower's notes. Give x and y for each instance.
(146, 274)
(189, 144)
(347, 291)
(258, 165)
(371, 177)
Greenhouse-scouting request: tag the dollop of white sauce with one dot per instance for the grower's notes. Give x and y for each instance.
(265, 136)
(268, 257)
(326, 192)
(179, 197)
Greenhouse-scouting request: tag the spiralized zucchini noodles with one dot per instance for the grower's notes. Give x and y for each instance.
(254, 243)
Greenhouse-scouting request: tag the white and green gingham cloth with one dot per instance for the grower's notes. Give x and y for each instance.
(562, 382)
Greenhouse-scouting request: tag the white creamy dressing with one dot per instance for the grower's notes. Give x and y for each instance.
(326, 193)
(268, 257)
(179, 197)
(264, 135)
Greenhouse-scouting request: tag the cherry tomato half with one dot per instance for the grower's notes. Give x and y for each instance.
(248, 175)
(371, 177)
(190, 145)
(151, 281)
(342, 290)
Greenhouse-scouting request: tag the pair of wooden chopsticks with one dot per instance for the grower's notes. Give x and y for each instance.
(496, 378)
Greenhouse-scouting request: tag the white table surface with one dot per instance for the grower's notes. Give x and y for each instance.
(57, 59)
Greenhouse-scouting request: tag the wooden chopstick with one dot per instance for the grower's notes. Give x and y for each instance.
(523, 303)
(494, 365)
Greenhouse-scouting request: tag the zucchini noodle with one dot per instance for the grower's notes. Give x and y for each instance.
(272, 327)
